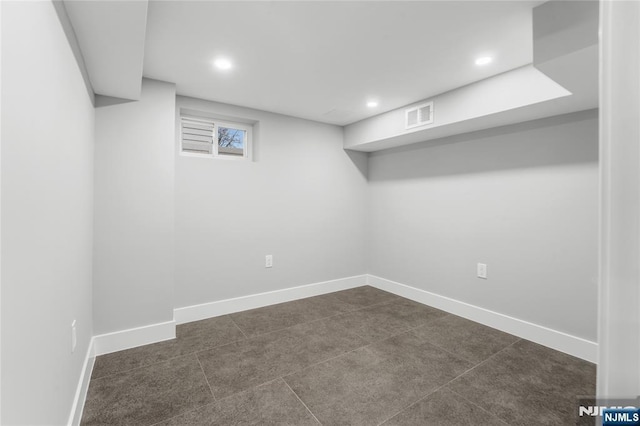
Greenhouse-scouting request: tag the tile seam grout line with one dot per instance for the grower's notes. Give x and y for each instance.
(206, 379)
(483, 409)
(323, 318)
(445, 384)
(161, 361)
(373, 342)
(238, 327)
(218, 401)
(301, 401)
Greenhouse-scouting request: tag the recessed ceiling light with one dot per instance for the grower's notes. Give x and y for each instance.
(484, 60)
(372, 104)
(223, 64)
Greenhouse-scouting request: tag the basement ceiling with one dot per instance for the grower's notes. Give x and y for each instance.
(320, 60)
(324, 60)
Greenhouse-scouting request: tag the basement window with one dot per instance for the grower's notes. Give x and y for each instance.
(209, 137)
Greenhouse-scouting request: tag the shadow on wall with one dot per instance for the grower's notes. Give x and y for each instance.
(523, 145)
(105, 101)
(360, 160)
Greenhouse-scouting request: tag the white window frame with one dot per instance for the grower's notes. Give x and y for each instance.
(217, 123)
(246, 144)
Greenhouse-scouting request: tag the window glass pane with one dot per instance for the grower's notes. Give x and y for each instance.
(231, 141)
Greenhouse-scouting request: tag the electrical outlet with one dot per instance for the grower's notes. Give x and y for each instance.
(74, 336)
(482, 270)
(268, 261)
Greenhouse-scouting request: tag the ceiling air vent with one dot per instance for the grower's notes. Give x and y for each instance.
(419, 115)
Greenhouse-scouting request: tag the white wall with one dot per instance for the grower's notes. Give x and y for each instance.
(302, 199)
(619, 331)
(134, 210)
(0, 213)
(522, 199)
(47, 190)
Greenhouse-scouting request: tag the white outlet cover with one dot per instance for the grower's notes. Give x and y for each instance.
(74, 336)
(482, 271)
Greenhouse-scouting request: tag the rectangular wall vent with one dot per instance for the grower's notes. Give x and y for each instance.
(419, 115)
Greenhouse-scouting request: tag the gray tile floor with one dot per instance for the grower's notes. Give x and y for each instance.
(355, 357)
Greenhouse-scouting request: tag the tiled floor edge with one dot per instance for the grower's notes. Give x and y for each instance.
(83, 386)
(229, 306)
(554, 339)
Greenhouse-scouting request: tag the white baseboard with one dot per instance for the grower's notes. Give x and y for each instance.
(554, 339)
(133, 337)
(112, 342)
(228, 306)
(83, 386)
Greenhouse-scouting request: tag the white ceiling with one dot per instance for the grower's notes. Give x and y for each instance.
(111, 36)
(323, 60)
